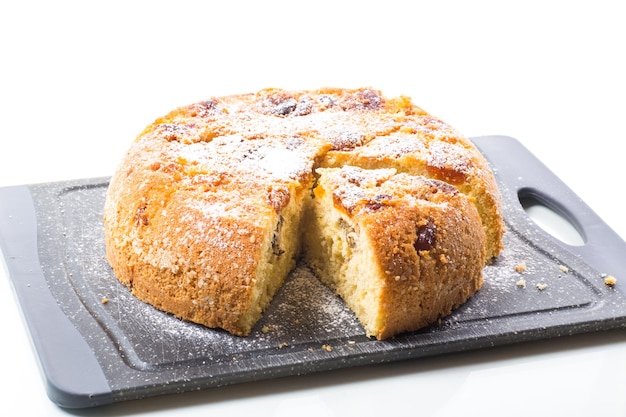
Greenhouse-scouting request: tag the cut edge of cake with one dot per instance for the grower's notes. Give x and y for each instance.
(388, 254)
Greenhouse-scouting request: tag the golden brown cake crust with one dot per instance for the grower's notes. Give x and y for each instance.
(427, 245)
(194, 210)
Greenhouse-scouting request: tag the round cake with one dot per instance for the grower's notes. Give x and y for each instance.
(215, 202)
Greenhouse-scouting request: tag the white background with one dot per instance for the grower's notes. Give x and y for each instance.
(79, 80)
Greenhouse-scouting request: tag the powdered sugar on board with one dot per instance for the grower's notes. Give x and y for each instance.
(304, 315)
(305, 310)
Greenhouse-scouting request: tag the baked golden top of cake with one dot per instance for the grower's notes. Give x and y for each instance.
(206, 202)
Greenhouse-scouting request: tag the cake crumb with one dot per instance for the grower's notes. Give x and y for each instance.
(105, 300)
(564, 269)
(610, 280)
(520, 267)
(521, 283)
(542, 286)
(268, 328)
(327, 348)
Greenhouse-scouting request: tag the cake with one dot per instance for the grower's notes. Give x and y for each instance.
(215, 203)
(402, 251)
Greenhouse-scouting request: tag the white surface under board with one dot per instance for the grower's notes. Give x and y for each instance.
(83, 78)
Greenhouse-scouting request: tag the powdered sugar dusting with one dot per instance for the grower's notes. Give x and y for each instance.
(448, 156)
(359, 189)
(394, 145)
(213, 177)
(304, 315)
(305, 310)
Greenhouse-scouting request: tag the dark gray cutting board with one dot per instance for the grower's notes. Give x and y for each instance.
(93, 353)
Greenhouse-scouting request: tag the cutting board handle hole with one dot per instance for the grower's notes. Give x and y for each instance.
(548, 215)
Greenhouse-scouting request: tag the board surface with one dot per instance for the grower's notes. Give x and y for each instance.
(97, 344)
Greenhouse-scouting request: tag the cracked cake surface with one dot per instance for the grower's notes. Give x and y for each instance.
(204, 218)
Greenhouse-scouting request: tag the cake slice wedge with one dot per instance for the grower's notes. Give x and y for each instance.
(401, 250)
